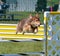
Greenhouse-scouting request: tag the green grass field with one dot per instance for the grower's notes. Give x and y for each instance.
(20, 47)
(21, 15)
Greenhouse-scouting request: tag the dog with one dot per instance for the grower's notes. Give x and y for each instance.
(29, 25)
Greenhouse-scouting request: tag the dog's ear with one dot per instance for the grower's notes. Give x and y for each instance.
(37, 15)
(30, 16)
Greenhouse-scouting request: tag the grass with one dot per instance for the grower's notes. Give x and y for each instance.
(20, 15)
(9, 22)
(20, 47)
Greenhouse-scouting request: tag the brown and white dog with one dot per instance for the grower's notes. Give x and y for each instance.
(29, 25)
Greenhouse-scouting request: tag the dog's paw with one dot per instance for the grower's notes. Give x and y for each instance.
(23, 33)
(35, 32)
(16, 32)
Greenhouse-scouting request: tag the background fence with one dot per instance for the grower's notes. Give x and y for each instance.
(21, 5)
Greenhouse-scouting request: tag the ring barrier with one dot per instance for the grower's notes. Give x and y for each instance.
(52, 26)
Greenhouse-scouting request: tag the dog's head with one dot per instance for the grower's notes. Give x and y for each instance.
(35, 21)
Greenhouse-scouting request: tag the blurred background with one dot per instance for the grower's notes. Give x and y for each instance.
(15, 10)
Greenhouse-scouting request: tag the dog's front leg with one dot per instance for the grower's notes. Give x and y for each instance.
(35, 30)
(23, 32)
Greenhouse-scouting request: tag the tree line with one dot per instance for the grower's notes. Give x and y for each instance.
(41, 5)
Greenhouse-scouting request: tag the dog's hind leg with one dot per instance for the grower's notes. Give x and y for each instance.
(17, 28)
(16, 32)
(23, 33)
